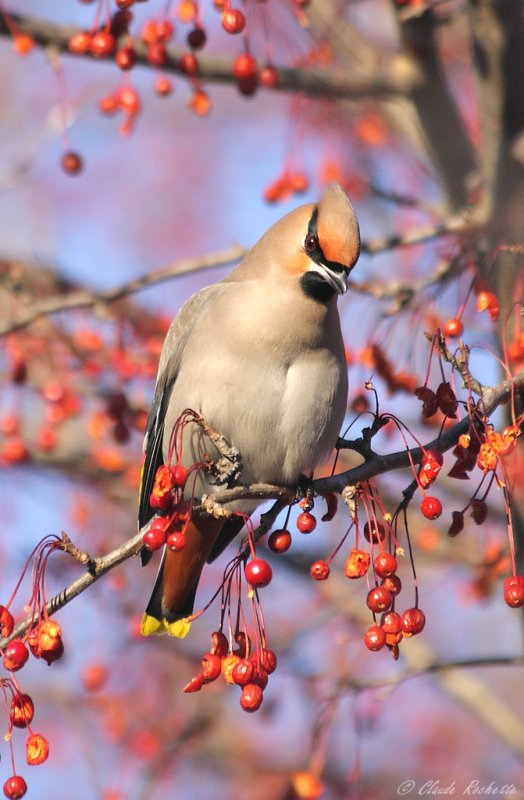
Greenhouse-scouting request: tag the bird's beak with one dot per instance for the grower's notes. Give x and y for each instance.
(337, 278)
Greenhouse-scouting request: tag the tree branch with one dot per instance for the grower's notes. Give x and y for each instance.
(449, 145)
(491, 398)
(398, 76)
(462, 225)
(435, 667)
(86, 299)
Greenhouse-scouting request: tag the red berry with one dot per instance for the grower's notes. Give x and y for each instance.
(15, 655)
(393, 584)
(125, 58)
(248, 86)
(22, 44)
(15, 787)
(375, 638)
(129, 100)
(7, 622)
(72, 163)
(320, 571)
(391, 622)
(188, 64)
(157, 54)
(102, 44)
(211, 667)
(251, 697)
(385, 565)
(260, 676)
(200, 103)
(266, 658)
(163, 86)
(79, 42)
(243, 672)
(155, 537)
(196, 38)
(124, 4)
(176, 541)
(412, 621)
(374, 532)
(453, 328)
(233, 20)
(120, 22)
(431, 507)
(306, 522)
(36, 749)
(179, 474)
(430, 467)
(514, 591)
(194, 685)
(94, 676)
(244, 66)
(258, 573)
(269, 76)
(279, 541)
(357, 564)
(22, 711)
(164, 30)
(108, 104)
(379, 599)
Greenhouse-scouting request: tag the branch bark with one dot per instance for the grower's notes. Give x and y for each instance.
(449, 145)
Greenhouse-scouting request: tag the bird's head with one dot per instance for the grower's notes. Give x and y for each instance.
(317, 243)
(331, 244)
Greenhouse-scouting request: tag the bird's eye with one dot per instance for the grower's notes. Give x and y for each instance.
(310, 243)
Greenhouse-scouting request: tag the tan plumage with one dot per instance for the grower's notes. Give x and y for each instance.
(260, 355)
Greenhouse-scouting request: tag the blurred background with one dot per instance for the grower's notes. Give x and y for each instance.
(337, 721)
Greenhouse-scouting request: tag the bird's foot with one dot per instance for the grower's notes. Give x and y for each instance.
(305, 492)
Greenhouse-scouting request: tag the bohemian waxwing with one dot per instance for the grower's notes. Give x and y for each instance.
(260, 356)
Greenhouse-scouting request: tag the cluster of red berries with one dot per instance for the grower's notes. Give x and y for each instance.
(287, 184)
(380, 600)
(430, 466)
(486, 301)
(113, 40)
(238, 666)
(44, 641)
(381, 597)
(20, 713)
(174, 512)
(481, 447)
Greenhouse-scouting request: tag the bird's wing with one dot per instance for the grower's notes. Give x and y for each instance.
(170, 359)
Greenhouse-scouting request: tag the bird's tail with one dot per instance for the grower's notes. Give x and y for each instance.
(173, 596)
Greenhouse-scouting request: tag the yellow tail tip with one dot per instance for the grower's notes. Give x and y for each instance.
(151, 626)
(180, 628)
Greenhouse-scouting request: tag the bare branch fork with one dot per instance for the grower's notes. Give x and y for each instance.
(374, 465)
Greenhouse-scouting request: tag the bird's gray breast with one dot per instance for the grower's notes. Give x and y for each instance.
(273, 382)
